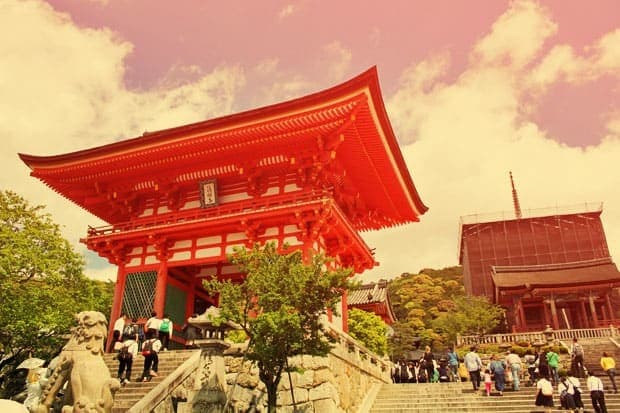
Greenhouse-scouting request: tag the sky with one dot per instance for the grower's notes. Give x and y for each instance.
(473, 89)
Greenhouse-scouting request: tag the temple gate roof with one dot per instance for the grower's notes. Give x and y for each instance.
(338, 139)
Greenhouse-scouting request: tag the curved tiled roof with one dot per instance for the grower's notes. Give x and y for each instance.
(556, 275)
(350, 117)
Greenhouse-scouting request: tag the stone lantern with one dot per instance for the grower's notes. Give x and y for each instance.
(548, 333)
(209, 390)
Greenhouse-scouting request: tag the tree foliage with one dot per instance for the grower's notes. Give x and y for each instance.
(280, 305)
(432, 308)
(42, 284)
(369, 329)
(470, 316)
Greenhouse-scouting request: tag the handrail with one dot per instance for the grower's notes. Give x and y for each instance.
(160, 391)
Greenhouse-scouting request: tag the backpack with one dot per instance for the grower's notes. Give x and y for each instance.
(165, 326)
(147, 348)
(578, 350)
(129, 332)
(124, 354)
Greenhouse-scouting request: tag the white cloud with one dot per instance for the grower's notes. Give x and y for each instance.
(462, 138)
(516, 37)
(286, 11)
(336, 60)
(62, 89)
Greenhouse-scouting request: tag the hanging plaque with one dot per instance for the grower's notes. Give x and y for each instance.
(208, 193)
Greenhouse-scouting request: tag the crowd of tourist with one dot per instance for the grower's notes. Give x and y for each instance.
(542, 369)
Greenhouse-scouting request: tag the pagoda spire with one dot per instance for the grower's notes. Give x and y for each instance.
(515, 198)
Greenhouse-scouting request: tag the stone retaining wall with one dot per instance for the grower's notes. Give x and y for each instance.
(336, 383)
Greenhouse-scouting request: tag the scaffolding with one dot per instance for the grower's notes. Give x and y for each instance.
(540, 237)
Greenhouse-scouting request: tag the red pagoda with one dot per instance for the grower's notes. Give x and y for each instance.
(311, 172)
(547, 267)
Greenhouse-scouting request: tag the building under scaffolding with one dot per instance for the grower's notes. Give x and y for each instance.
(545, 266)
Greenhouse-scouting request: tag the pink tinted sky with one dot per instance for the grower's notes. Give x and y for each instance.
(473, 89)
(390, 34)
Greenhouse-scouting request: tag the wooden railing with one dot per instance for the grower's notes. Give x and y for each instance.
(539, 336)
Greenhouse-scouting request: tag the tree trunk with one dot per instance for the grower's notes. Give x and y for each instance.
(272, 396)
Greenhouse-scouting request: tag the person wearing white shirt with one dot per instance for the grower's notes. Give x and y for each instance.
(152, 323)
(513, 361)
(544, 394)
(597, 393)
(577, 396)
(566, 391)
(119, 325)
(150, 348)
(126, 356)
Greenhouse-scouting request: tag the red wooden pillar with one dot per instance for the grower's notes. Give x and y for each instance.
(584, 314)
(160, 288)
(593, 311)
(610, 309)
(546, 313)
(554, 314)
(523, 325)
(117, 302)
(191, 297)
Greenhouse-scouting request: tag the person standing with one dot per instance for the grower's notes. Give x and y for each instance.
(577, 396)
(165, 332)
(553, 359)
(429, 362)
(487, 382)
(117, 332)
(453, 363)
(566, 391)
(576, 355)
(609, 366)
(473, 364)
(530, 364)
(544, 392)
(126, 356)
(498, 368)
(514, 362)
(152, 323)
(150, 348)
(597, 392)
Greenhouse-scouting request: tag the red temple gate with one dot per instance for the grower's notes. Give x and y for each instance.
(312, 172)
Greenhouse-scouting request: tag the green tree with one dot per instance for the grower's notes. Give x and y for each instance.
(280, 304)
(470, 316)
(368, 328)
(42, 284)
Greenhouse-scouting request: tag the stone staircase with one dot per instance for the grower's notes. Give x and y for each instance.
(132, 392)
(594, 348)
(460, 397)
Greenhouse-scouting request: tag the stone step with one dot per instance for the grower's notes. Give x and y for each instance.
(130, 393)
(460, 397)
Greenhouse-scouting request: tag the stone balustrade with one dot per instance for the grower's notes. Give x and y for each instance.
(539, 336)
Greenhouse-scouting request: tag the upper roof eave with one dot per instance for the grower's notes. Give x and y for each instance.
(366, 82)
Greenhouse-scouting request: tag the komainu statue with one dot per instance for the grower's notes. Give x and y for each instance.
(90, 388)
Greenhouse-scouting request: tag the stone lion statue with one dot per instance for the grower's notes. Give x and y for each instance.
(90, 388)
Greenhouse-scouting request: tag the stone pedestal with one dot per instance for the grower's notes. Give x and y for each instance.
(209, 388)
